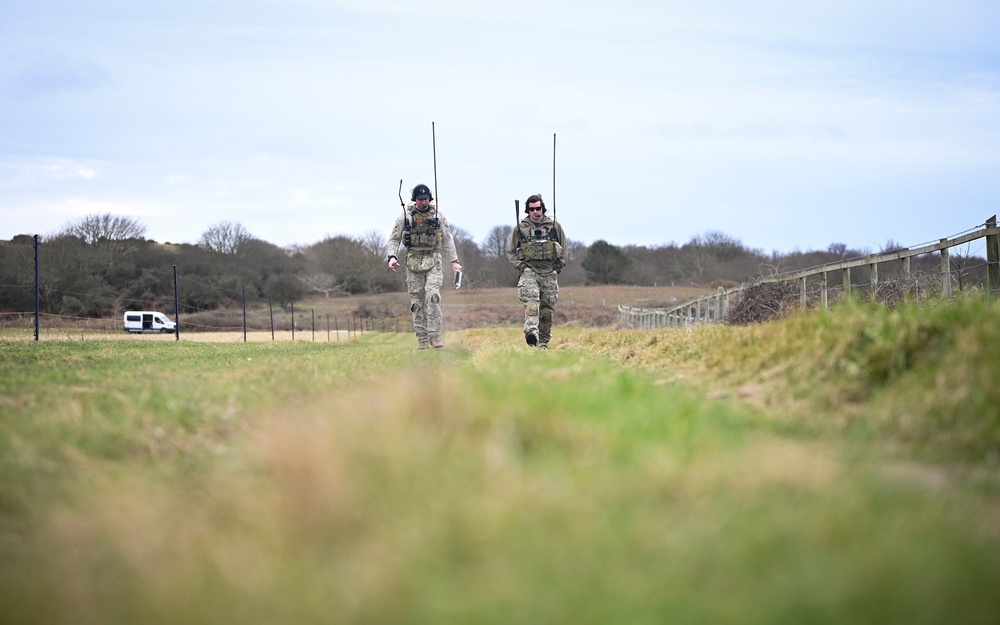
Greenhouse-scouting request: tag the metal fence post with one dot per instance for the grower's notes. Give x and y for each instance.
(244, 313)
(177, 309)
(37, 304)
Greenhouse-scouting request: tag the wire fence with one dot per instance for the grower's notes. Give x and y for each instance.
(194, 309)
(307, 327)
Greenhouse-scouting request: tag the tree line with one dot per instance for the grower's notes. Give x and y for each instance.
(100, 265)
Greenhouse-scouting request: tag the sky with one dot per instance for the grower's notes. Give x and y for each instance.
(786, 124)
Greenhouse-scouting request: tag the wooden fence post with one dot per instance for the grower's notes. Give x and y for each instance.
(802, 292)
(873, 274)
(945, 271)
(992, 260)
(824, 297)
(847, 282)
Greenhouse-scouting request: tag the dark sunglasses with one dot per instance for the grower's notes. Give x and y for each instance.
(535, 208)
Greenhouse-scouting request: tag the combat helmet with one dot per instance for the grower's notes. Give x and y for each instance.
(421, 191)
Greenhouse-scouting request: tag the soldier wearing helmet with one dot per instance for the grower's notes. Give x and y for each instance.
(537, 248)
(426, 235)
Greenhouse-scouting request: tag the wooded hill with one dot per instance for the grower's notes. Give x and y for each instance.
(103, 264)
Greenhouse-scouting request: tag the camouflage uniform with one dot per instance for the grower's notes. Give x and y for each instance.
(424, 275)
(538, 287)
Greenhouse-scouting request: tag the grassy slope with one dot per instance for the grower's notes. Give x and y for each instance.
(830, 468)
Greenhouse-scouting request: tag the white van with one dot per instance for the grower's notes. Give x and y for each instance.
(147, 321)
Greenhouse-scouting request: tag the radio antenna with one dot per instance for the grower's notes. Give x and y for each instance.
(553, 176)
(434, 146)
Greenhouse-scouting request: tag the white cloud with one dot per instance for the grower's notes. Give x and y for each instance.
(47, 169)
(300, 117)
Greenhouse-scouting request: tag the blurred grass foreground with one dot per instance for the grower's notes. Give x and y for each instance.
(837, 467)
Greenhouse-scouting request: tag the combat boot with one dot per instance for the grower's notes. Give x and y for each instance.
(422, 343)
(531, 338)
(436, 341)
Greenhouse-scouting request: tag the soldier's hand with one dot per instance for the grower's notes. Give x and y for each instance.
(392, 264)
(456, 267)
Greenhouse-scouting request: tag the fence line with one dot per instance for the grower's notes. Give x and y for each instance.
(350, 326)
(716, 307)
(250, 318)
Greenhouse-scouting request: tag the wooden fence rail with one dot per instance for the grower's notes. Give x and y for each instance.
(715, 308)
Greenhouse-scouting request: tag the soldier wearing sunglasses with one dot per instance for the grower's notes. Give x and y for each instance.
(538, 249)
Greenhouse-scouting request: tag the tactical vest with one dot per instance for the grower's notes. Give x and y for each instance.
(423, 232)
(541, 245)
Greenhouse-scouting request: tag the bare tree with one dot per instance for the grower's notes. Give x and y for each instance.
(114, 234)
(97, 229)
(495, 245)
(355, 263)
(723, 246)
(471, 258)
(369, 267)
(102, 244)
(838, 249)
(324, 283)
(225, 237)
(374, 242)
(573, 273)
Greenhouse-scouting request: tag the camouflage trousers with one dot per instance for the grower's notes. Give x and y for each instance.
(425, 300)
(538, 292)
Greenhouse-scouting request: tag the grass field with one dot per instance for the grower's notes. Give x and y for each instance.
(833, 467)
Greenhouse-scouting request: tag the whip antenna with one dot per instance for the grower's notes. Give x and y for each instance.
(553, 176)
(434, 146)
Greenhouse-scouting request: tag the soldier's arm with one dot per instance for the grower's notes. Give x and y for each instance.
(560, 261)
(448, 241)
(512, 247)
(395, 237)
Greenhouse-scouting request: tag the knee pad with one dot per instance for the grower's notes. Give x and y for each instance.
(414, 307)
(435, 299)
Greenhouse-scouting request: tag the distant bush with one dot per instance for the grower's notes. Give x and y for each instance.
(763, 301)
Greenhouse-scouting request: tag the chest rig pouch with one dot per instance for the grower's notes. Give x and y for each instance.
(424, 232)
(541, 246)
